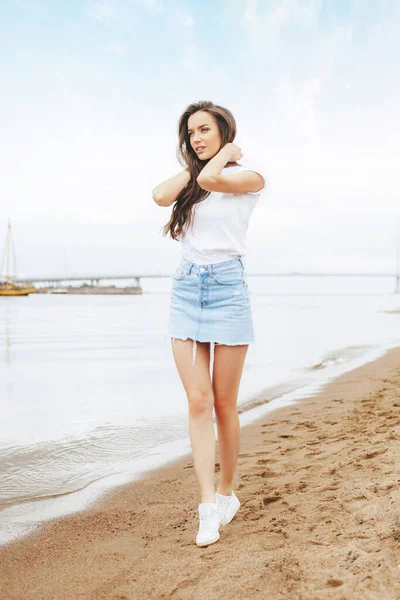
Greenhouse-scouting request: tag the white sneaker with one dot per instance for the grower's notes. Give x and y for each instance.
(209, 524)
(228, 507)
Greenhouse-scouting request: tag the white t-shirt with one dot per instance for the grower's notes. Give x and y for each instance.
(220, 223)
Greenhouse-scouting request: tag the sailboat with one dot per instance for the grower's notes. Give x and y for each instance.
(7, 287)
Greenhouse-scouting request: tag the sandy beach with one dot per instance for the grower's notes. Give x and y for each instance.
(320, 514)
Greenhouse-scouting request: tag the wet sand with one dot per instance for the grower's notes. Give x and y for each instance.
(320, 514)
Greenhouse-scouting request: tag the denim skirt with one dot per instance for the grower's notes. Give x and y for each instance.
(210, 303)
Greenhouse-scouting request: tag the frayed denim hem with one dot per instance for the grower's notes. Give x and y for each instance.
(212, 346)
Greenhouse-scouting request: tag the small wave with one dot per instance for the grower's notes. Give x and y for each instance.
(267, 395)
(341, 356)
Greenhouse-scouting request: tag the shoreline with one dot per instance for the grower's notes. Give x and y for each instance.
(319, 484)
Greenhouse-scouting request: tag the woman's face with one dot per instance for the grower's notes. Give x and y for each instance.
(204, 134)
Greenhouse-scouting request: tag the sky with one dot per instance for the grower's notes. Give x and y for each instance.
(91, 96)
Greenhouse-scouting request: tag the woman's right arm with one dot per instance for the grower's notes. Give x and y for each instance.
(165, 193)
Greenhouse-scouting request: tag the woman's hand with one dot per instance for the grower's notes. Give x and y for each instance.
(228, 153)
(232, 151)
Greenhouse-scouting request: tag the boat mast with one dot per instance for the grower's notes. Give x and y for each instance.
(8, 247)
(6, 256)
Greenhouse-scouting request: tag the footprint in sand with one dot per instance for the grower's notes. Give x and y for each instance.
(373, 453)
(307, 424)
(332, 582)
(314, 453)
(254, 472)
(246, 454)
(269, 499)
(382, 490)
(301, 486)
(305, 467)
(329, 488)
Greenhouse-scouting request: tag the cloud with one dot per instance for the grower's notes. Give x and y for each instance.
(22, 4)
(153, 5)
(117, 48)
(102, 11)
(186, 29)
(188, 21)
(265, 25)
(298, 105)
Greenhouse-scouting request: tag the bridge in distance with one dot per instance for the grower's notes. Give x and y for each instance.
(94, 279)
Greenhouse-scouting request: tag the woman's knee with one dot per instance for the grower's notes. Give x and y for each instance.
(201, 403)
(225, 408)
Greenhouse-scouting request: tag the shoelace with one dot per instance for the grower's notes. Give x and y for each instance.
(225, 502)
(208, 521)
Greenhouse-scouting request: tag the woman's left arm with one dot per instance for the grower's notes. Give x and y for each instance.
(210, 177)
(215, 165)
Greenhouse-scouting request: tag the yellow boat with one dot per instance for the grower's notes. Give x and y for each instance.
(7, 287)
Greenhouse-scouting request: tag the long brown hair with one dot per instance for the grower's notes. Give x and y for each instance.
(192, 193)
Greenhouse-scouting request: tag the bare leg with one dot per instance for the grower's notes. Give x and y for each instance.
(227, 372)
(197, 383)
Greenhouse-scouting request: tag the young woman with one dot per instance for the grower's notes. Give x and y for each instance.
(210, 309)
